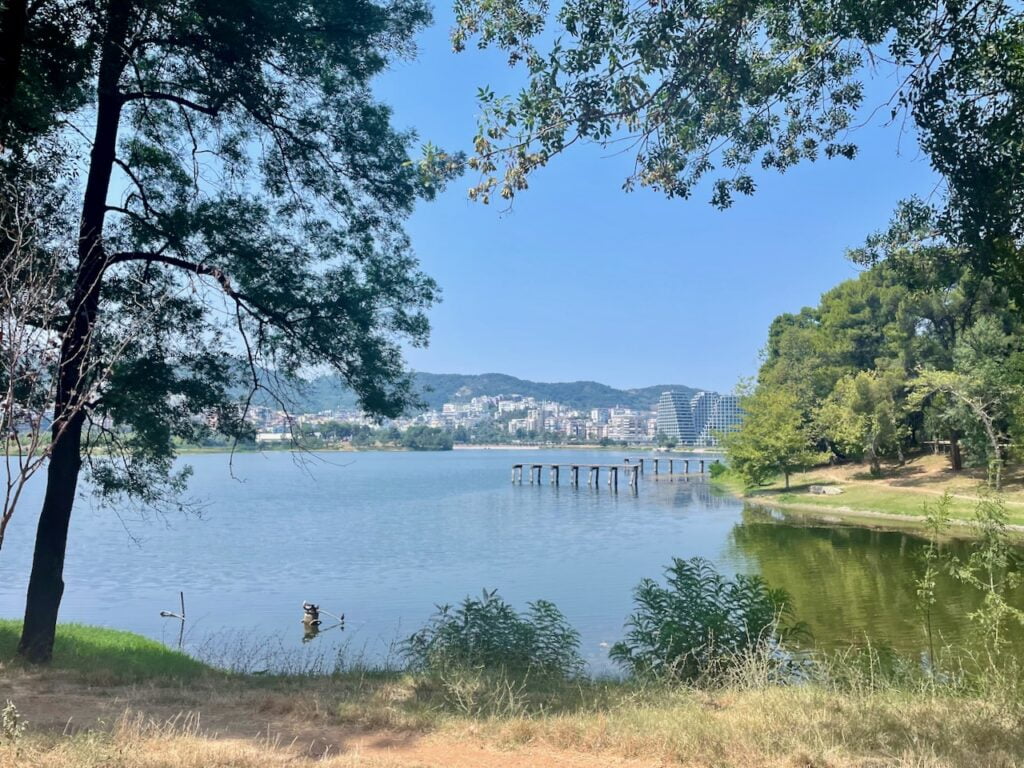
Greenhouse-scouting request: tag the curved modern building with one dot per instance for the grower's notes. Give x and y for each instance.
(675, 418)
(698, 420)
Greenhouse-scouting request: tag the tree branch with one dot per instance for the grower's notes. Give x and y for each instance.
(212, 111)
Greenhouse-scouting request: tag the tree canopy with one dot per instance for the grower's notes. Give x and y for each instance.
(241, 223)
(901, 356)
(716, 90)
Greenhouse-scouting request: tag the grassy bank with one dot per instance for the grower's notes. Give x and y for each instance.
(115, 700)
(895, 498)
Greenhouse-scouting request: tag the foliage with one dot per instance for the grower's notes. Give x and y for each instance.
(718, 89)
(772, 438)
(419, 438)
(982, 396)
(488, 633)
(863, 416)
(244, 190)
(916, 348)
(937, 519)
(992, 568)
(701, 623)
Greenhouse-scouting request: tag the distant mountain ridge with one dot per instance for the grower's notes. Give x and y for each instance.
(326, 393)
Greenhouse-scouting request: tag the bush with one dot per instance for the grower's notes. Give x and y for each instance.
(487, 633)
(702, 624)
(717, 469)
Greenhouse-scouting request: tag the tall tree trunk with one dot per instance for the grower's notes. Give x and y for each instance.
(956, 459)
(46, 582)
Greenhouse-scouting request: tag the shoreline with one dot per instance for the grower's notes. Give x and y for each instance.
(895, 501)
(117, 699)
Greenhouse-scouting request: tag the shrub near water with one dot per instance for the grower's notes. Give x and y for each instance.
(702, 625)
(488, 633)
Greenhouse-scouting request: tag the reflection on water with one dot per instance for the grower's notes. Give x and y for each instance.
(383, 537)
(853, 584)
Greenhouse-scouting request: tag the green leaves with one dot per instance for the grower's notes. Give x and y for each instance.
(487, 633)
(703, 88)
(865, 416)
(772, 439)
(701, 623)
(713, 90)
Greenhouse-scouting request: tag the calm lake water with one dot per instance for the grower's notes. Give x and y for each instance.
(383, 537)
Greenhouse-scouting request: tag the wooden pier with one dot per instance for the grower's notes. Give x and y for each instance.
(536, 474)
(631, 468)
(657, 462)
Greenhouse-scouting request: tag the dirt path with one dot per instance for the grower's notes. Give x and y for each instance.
(251, 719)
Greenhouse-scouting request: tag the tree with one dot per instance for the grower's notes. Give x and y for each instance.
(986, 402)
(863, 416)
(855, 325)
(242, 178)
(717, 88)
(45, 52)
(29, 310)
(772, 438)
(421, 438)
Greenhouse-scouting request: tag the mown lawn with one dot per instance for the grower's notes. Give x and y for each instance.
(900, 491)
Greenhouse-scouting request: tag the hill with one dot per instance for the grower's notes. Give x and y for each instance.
(329, 392)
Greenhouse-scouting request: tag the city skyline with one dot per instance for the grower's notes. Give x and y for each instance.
(685, 417)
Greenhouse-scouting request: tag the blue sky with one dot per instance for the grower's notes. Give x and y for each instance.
(584, 281)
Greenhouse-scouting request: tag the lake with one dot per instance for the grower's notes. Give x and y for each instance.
(384, 536)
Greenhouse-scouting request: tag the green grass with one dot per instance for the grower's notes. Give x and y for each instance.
(108, 656)
(864, 498)
(873, 498)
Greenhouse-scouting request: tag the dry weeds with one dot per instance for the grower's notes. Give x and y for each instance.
(399, 721)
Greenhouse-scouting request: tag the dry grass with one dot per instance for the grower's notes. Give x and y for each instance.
(399, 720)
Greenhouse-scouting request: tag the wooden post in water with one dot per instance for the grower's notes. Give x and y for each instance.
(553, 475)
(686, 466)
(655, 465)
(702, 466)
(613, 478)
(593, 476)
(574, 475)
(671, 466)
(634, 477)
